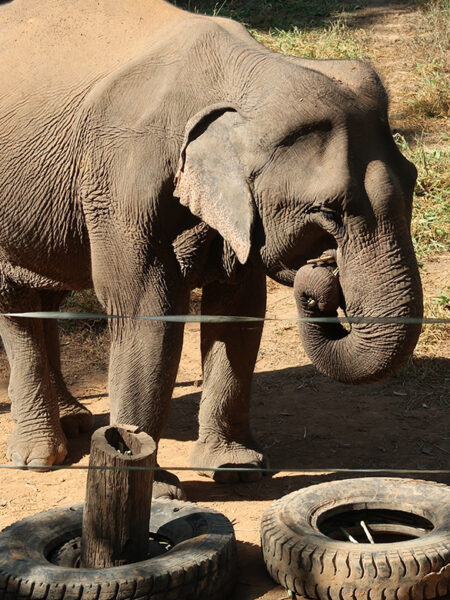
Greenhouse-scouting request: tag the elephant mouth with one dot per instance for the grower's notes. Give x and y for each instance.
(286, 272)
(321, 247)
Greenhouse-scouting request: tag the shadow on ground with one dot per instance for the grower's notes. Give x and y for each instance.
(272, 488)
(81, 445)
(253, 579)
(280, 13)
(306, 421)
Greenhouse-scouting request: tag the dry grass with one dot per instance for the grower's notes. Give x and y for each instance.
(92, 335)
(431, 209)
(431, 70)
(265, 15)
(435, 338)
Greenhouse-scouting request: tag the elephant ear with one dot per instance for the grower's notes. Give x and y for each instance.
(211, 181)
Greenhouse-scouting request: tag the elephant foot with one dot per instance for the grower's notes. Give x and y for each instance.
(221, 453)
(75, 418)
(167, 485)
(36, 448)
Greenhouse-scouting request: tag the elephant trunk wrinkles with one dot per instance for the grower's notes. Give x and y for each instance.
(377, 279)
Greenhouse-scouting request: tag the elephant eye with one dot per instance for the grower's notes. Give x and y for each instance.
(329, 214)
(294, 136)
(326, 211)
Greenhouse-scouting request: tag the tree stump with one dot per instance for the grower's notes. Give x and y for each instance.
(116, 514)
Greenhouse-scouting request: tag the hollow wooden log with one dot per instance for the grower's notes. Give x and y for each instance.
(116, 513)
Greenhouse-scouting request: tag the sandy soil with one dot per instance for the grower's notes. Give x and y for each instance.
(304, 420)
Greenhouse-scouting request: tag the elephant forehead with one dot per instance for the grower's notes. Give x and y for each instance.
(302, 98)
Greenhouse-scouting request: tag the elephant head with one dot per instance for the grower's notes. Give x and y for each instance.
(305, 168)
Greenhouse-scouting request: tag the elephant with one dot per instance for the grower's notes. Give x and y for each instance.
(147, 151)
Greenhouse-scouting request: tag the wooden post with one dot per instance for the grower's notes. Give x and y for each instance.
(116, 513)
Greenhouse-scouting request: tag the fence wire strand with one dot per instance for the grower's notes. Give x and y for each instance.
(224, 318)
(273, 471)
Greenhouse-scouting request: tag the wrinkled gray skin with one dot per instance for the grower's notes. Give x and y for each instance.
(146, 151)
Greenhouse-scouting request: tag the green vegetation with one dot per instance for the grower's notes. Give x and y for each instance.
(301, 28)
(274, 14)
(431, 209)
(443, 299)
(432, 69)
(334, 40)
(84, 301)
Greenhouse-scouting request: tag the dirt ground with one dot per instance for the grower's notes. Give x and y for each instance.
(303, 420)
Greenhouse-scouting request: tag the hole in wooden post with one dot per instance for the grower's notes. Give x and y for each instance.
(122, 441)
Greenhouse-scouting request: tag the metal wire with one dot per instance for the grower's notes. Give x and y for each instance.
(314, 471)
(225, 319)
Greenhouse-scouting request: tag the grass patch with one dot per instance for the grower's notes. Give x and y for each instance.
(271, 14)
(431, 71)
(334, 40)
(300, 28)
(434, 337)
(431, 208)
(92, 335)
(84, 301)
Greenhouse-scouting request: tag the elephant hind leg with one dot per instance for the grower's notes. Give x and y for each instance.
(38, 439)
(75, 418)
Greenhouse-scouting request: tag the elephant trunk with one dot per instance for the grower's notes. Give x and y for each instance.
(376, 279)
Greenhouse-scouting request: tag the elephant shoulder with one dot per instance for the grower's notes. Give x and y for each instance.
(160, 89)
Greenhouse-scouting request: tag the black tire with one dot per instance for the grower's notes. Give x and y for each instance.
(309, 563)
(200, 565)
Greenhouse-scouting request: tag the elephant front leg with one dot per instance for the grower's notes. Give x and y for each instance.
(142, 371)
(38, 439)
(229, 352)
(130, 280)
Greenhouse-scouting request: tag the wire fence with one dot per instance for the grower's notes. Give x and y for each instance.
(264, 470)
(228, 319)
(78, 316)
